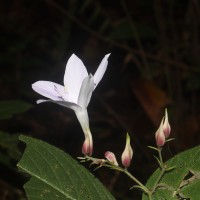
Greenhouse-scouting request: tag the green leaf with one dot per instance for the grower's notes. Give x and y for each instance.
(11, 107)
(182, 182)
(55, 175)
(9, 150)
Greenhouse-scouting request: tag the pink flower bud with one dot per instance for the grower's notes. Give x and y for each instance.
(166, 125)
(110, 156)
(128, 153)
(160, 136)
(87, 147)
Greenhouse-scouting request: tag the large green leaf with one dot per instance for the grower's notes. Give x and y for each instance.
(10, 107)
(183, 182)
(55, 175)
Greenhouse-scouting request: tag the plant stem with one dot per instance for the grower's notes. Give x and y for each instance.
(117, 168)
(125, 171)
(158, 180)
(163, 170)
(160, 157)
(141, 186)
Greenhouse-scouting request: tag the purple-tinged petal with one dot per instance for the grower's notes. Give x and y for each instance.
(67, 104)
(101, 70)
(48, 89)
(86, 91)
(75, 73)
(71, 105)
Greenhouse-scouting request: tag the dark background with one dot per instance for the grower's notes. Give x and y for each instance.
(154, 64)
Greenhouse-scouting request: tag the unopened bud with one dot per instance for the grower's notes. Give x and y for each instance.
(87, 147)
(166, 125)
(160, 136)
(128, 153)
(110, 156)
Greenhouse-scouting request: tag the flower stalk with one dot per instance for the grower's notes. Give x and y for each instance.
(112, 165)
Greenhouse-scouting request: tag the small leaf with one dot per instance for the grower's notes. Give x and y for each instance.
(11, 107)
(159, 163)
(55, 175)
(183, 182)
(154, 148)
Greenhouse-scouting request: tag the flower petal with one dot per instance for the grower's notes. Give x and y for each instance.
(86, 91)
(70, 105)
(101, 70)
(48, 89)
(75, 72)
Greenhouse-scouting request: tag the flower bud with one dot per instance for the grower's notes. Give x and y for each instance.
(87, 147)
(166, 125)
(110, 156)
(128, 153)
(160, 136)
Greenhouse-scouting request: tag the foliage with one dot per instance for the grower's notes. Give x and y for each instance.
(9, 149)
(182, 182)
(11, 107)
(9, 143)
(55, 175)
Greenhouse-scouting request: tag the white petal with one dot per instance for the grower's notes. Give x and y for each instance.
(48, 89)
(75, 72)
(86, 91)
(71, 105)
(101, 70)
(41, 101)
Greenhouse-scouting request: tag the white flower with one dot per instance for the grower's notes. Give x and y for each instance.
(76, 92)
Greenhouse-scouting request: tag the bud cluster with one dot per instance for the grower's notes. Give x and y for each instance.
(126, 155)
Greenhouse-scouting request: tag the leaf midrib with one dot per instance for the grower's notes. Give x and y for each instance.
(43, 180)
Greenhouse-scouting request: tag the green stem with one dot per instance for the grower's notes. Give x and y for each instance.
(158, 180)
(143, 187)
(125, 171)
(135, 180)
(160, 157)
(163, 170)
